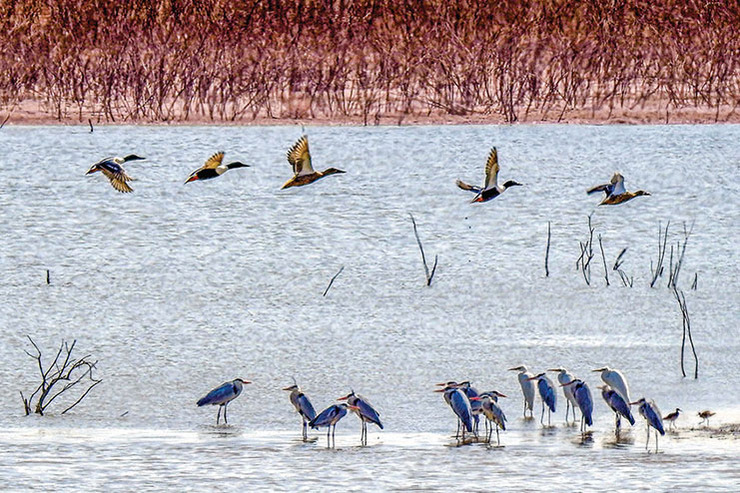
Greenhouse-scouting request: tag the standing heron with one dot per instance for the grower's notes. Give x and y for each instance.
(493, 413)
(527, 389)
(112, 168)
(615, 379)
(649, 410)
(302, 406)
(222, 395)
(475, 406)
(460, 405)
(618, 405)
(364, 410)
(329, 417)
(672, 417)
(584, 400)
(565, 377)
(547, 394)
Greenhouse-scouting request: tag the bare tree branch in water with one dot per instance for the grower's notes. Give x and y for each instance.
(587, 254)
(332, 280)
(547, 252)
(626, 280)
(428, 275)
(686, 321)
(62, 374)
(675, 270)
(603, 259)
(662, 241)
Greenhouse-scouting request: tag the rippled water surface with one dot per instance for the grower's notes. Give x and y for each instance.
(176, 288)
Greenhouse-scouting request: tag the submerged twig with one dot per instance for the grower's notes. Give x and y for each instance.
(332, 280)
(429, 275)
(547, 251)
(603, 259)
(662, 241)
(686, 322)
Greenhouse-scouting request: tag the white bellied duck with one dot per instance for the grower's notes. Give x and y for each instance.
(491, 189)
(614, 191)
(214, 167)
(112, 169)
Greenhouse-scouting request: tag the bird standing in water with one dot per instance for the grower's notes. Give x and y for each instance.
(302, 405)
(214, 167)
(364, 410)
(615, 379)
(491, 189)
(460, 405)
(705, 415)
(329, 417)
(112, 168)
(299, 158)
(584, 400)
(614, 191)
(525, 382)
(618, 405)
(493, 413)
(649, 410)
(565, 377)
(222, 395)
(672, 417)
(547, 394)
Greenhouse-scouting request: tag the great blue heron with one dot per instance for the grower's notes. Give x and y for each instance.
(329, 417)
(565, 377)
(618, 405)
(222, 395)
(527, 389)
(547, 395)
(584, 400)
(364, 410)
(649, 410)
(460, 405)
(302, 405)
(615, 379)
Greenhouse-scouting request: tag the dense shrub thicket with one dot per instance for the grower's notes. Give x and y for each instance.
(229, 60)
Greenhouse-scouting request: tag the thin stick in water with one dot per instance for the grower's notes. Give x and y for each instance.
(547, 251)
(332, 280)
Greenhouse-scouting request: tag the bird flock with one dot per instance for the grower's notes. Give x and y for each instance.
(299, 157)
(468, 405)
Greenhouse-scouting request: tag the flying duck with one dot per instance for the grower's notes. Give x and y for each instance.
(112, 169)
(491, 189)
(614, 191)
(213, 168)
(303, 173)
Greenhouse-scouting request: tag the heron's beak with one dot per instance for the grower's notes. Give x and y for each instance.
(555, 369)
(245, 382)
(599, 369)
(438, 390)
(516, 368)
(633, 403)
(441, 384)
(532, 378)
(501, 395)
(354, 408)
(344, 398)
(288, 388)
(475, 398)
(566, 384)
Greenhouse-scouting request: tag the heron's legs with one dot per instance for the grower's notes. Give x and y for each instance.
(225, 420)
(305, 430)
(498, 440)
(648, 437)
(567, 408)
(218, 416)
(656, 441)
(542, 416)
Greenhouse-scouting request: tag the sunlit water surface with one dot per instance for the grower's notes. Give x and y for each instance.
(176, 288)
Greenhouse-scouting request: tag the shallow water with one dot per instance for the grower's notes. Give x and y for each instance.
(175, 289)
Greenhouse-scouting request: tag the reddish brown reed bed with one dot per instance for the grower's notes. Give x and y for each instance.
(370, 60)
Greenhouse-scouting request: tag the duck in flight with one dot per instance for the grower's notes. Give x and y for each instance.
(614, 191)
(214, 167)
(491, 189)
(113, 170)
(303, 173)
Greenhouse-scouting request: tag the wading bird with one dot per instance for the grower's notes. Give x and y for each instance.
(222, 395)
(460, 405)
(475, 406)
(364, 410)
(705, 415)
(493, 413)
(214, 167)
(491, 189)
(329, 417)
(113, 170)
(302, 406)
(584, 400)
(303, 173)
(614, 191)
(672, 417)
(649, 410)
(565, 377)
(615, 380)
(618, 405)
(525, 381)
(547, 395)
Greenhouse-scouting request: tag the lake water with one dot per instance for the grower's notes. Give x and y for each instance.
(177, 288)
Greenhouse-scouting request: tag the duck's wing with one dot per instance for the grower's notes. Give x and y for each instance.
(300, 158)
(606, 188)
(465, 186)
(492, 169)
(214, 161)
(617, 185)
(118, 180)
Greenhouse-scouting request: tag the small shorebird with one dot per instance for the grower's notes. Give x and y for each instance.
(222, 395)
(214, 167)
(303, 173)
(302, 405)
(527, 386)
(672, 417)
(364, 410)
(491, 189)
(705, 415)
(112, 169)
(615, 191)
(649, 410)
